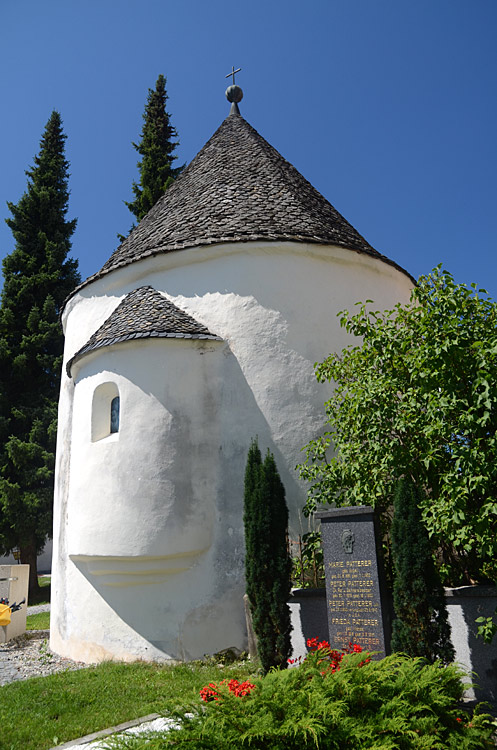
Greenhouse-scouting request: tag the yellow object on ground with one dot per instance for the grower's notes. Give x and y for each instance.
(5, 613)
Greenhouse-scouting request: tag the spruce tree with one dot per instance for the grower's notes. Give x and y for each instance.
(421, 626)
(267, 562)
(38, 275)
(156, 149)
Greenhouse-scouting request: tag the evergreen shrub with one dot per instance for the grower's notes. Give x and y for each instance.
(421, 626)
(267, 562)
(396, 703)
(37, 276)
(156, 148)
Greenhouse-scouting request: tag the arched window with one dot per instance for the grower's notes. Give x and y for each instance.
(105, 415)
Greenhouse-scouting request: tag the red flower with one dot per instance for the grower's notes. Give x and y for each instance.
(209, 693)
(243, 689)
(330, 656)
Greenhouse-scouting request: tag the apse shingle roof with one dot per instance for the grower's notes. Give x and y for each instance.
(237, 189)
(143, 313)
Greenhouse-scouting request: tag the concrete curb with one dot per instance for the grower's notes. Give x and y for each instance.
(106, 732)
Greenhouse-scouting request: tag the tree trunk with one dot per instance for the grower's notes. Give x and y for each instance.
(29, 557)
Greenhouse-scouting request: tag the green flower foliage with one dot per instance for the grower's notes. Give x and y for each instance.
(418, 398)
(267, 562)
(421, 626)
(156, 149)
(38, 275)
(308, 563)
(397, 703)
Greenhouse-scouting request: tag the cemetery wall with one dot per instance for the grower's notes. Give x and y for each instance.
(464, 604)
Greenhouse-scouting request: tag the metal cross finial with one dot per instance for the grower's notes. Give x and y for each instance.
(233, 71)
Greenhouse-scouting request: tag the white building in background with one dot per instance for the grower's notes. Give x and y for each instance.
(44, 562)
(199, 333)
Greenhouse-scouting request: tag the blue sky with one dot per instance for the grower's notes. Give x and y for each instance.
(388, 107)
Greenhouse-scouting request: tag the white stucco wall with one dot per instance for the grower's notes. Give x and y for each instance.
(148, 533)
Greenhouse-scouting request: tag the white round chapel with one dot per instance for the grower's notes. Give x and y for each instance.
(198, 334)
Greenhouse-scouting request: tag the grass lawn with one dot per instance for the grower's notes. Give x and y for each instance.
(41, 621)
(41, 712)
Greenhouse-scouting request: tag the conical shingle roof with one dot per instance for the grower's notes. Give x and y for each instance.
(143, 313)
(238, 188)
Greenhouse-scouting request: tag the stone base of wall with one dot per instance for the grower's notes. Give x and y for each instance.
(464, 605)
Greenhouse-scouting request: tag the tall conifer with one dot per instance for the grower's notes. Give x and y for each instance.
(38, 275)
(267, 562)
(156, 149)
(421, 626)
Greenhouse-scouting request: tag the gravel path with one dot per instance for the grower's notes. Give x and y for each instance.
(29, 655)
(37, 608)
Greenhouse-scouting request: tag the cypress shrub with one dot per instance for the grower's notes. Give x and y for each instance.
(156, 150)
(421, 626)
(267, 562)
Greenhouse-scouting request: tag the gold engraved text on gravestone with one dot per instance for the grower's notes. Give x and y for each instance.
(353, 610)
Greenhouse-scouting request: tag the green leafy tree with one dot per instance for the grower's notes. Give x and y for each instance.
(421, 626)
(38, 275)
(267, 562)
(418, 398)
(156, 150)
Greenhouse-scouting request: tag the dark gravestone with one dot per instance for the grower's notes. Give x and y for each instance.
(355, 592)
